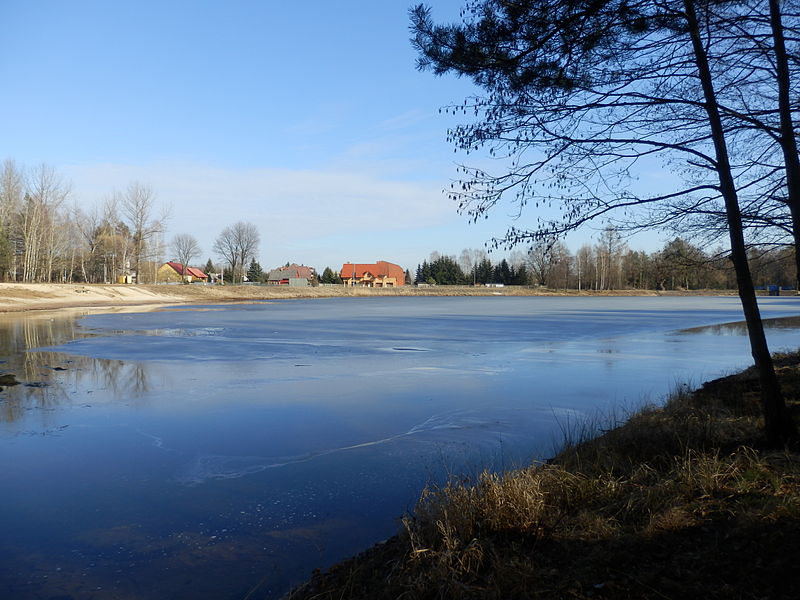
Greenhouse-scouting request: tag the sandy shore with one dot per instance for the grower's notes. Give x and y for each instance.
(20, 297)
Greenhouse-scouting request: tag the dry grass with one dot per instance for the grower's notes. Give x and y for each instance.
(24, 297)
(680, 501)
(262, 292)
(17, 297)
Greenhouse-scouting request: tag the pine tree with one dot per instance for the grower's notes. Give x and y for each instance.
(254, 271)
(590, 88)
(327, 276)
(446, 271)
(483, 271)
(521, 276)
(423, 272)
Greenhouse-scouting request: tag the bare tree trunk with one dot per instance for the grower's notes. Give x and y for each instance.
(137, 207)
(778, 424)
(787, 139)
(50, 248)
(30, 233)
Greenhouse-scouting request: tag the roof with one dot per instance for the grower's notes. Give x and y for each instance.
(377, 269)
(291, 271)
(192, 271)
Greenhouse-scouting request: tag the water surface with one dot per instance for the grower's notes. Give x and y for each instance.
(219, 451)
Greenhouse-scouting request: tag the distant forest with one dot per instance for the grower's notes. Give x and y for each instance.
(44, 238)
(610, 265)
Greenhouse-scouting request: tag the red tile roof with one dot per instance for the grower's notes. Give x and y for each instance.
(192, 271)
(378, 269)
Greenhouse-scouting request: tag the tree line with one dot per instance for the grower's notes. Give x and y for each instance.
(47, 237)
(578, 93)
(44, 238)
(610, 265)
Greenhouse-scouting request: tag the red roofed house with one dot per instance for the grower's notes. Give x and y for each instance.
(379, 274)
(292, 275)
(174, 271)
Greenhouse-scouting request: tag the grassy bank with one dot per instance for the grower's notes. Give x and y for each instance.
(22, 297)
(681, 501)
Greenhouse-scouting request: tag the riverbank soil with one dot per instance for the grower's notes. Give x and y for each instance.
(680, 501)
(18, 297)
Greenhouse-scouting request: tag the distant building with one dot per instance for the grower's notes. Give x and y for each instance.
(379, 274)
(174, 271)
(292, 275)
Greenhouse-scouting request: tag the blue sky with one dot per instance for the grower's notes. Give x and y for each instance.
(307, 119)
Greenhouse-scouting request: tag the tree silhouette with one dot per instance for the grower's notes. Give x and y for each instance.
(578, 92)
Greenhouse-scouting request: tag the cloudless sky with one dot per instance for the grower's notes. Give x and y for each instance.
(308, 119)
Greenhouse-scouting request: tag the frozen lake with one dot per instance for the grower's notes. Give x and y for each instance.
(210, 452)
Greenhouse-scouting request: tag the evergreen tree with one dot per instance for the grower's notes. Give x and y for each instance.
(521, 276)
(424, 274)
(446, 271)
(497, 276)
(330, 276)
(505, 275)
(254, 271)
(209, 268)
(483, 271)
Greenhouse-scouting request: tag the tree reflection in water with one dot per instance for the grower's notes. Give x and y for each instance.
(740, 327)
(46, 378)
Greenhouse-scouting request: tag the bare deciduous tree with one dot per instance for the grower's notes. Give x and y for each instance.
(45, 192)
(137, 206)
(236, 245)
(247, 240)
(12, 186)
(225, 247)
(185, 248)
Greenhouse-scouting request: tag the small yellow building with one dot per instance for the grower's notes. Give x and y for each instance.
(174, 272)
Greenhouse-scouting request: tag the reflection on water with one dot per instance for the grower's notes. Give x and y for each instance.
(46, 379)
(740, 327)
(226, 453)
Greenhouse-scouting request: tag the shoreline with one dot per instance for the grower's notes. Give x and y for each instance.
(16, 298)
(592, 522)
(644, 509)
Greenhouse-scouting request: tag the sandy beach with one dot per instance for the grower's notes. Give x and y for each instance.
(21, 297)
